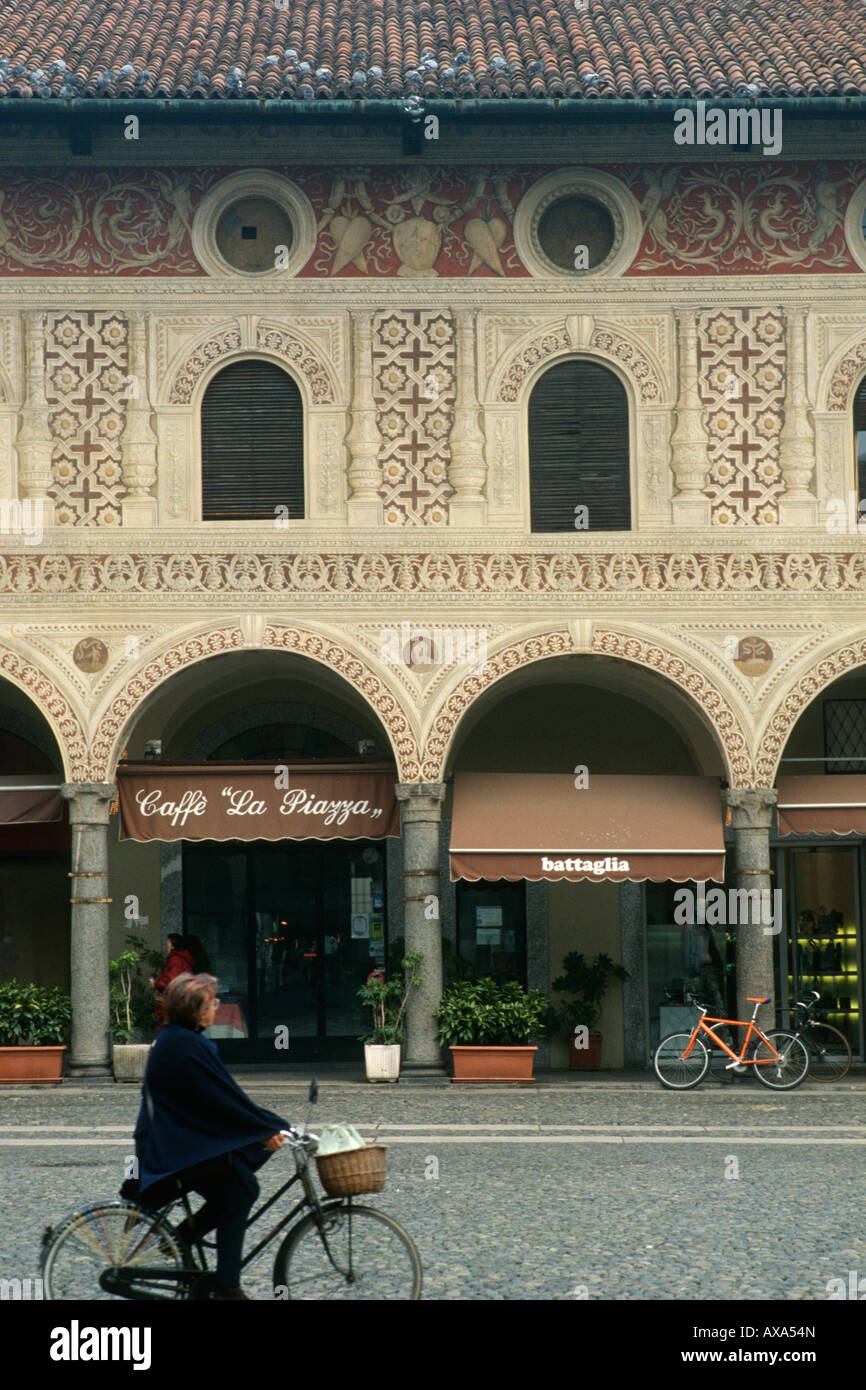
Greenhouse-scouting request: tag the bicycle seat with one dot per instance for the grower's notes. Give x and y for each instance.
(750, 999)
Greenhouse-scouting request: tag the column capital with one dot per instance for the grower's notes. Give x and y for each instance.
(89, 802)
(420, 800)
(751, 807)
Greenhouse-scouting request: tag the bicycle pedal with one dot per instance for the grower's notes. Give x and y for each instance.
(735, 1066)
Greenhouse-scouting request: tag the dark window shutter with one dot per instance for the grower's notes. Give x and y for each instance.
(252, 444)
(579, 449)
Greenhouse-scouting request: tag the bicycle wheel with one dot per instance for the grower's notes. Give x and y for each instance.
(829, 1052)
(113, 1234)
(675, 1070)
(374, 1257)
(791, 1067)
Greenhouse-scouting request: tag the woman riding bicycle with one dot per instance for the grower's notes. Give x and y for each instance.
(196, 1124)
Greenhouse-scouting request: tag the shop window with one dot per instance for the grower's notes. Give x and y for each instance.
(845, 735)
(579, 450)
(491, 929)
(823, 950)
(860, 445)
(252, 442)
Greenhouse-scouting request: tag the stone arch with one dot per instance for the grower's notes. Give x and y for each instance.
(114, 722)
(644, 651)
(835, 387)
(582, 335)
(288, 346)
(55, 708)
(821, 673)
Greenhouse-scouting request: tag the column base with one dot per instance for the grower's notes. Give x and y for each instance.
(364, 512)
(798, 511)
(467, 513)
(688, 511)
(424, 1071)
(139, 511)
(89, 1071)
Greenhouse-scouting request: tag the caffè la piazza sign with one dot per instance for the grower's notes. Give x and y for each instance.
(240, 802)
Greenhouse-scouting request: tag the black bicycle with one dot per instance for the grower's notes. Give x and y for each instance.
(829, 1050)
(333, 1249)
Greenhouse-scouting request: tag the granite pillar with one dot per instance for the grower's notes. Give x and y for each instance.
(751, 819)
(89, 803)
(634, 989)
(421, 811)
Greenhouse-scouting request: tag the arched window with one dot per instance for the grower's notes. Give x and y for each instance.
(860, 445)
(579, 450)
(252, 444)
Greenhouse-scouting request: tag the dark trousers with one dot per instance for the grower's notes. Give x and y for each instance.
(229, 1189)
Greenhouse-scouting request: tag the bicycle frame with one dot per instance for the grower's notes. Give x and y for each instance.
(751, 1027)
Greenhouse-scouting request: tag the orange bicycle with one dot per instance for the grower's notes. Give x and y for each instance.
(780, 1059)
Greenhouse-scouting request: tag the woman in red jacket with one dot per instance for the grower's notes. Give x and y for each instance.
(179, 961)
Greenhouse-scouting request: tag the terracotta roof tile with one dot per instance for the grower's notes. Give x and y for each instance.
(593, 49)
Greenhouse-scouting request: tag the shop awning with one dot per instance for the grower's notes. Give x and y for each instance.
(822, 805)
(540, 826)
(244, 801)
(30, 797)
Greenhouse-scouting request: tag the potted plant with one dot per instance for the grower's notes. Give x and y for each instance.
(34, 1027)
(587, 981)
(132, 1019)
(388, 999)
(488, 1028)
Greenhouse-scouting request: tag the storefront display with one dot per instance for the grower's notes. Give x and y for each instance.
(823, 936)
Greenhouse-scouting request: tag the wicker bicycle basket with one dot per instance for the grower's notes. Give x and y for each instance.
(353, 1172)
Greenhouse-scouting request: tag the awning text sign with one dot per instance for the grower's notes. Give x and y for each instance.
(243, 803)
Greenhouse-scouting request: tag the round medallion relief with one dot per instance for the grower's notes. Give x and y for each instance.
(90, 655)
(753, 656)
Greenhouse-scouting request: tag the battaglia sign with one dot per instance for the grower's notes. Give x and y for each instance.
(221, 802)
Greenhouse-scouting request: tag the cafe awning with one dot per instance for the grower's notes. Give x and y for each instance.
(30, 797)
(246, 801)
(541, 826)
(834, 804)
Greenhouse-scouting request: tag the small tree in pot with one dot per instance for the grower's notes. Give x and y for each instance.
(388, 999)
(34, 1029)
(489, 1027)
(133, 1023)
(587, 981)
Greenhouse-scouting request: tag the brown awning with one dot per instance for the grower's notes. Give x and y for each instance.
(243, 801)
(822, 805)
(540, 826)
(30, 797)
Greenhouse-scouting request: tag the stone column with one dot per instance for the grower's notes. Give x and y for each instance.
(421, 811)
(636, 1050)
(468, 471)
(89, 804)
(797, 506)
(138, 507)
(751, 818)
(364, 505)
(34, 444)
(689, 448)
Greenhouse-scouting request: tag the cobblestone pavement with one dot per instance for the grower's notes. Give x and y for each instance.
(601, 1191)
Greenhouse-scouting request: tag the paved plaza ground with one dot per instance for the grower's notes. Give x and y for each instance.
(589, 1189)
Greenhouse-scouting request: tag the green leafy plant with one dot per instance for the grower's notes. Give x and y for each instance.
(131, 997)
(33, 1016)
(388, 999)
(588, 982)
(483, 1012)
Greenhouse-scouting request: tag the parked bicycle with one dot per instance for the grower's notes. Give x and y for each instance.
(333, 1249)
(829, 1050)
(780, 1059)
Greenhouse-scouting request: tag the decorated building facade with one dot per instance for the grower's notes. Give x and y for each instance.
(409, 408)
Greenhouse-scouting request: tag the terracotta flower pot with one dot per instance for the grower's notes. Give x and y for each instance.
(29, 1065)
(585, 1058)
(506, 1065)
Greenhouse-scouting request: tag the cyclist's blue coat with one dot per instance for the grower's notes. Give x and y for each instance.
(192, 1110)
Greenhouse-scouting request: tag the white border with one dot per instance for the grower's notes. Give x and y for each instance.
(591, 183)
(854, 226)
(249, 184)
